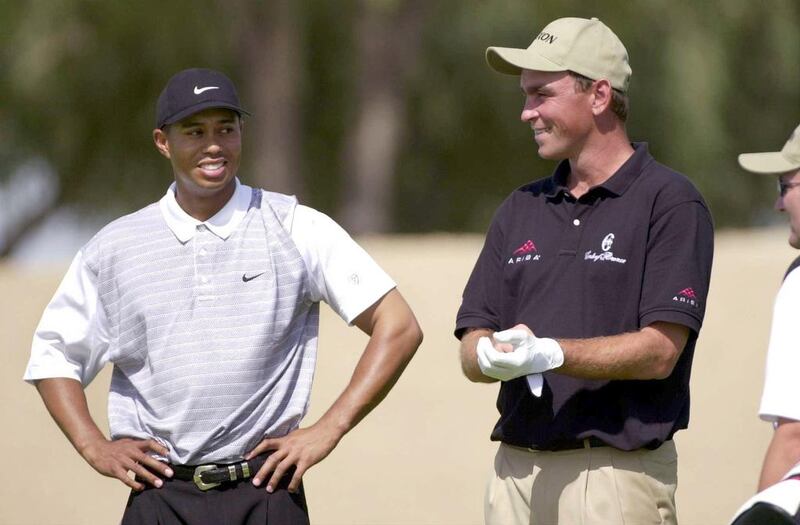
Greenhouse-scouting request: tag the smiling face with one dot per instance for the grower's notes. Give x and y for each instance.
(560, 116)
(204, 150)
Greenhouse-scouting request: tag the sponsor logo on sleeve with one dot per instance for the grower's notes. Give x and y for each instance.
(687, 297)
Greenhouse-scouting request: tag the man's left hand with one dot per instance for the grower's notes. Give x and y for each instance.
(528, 355)
(301, 449)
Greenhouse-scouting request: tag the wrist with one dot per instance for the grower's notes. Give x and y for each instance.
(554, 350)
(86, 444)
(334, 430)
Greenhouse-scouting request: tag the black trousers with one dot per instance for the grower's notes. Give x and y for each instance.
(181, 502)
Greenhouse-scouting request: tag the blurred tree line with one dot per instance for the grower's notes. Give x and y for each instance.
(381, 113)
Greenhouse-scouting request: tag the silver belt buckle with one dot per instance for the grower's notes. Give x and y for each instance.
(199, 481)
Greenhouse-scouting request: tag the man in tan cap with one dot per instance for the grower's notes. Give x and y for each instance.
(781, 389)
(587, 299)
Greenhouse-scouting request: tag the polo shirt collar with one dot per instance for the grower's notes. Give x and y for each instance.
(616, 184)
(629, 171)
(558, 182)
(222, 224)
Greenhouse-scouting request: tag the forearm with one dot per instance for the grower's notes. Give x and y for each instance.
(469, 357)
(650, 353)
(395, 337)
(66, 402)
(783, 453)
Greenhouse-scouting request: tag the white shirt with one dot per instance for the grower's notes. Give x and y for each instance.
(781, 397)
(332, 257)
(74, 338)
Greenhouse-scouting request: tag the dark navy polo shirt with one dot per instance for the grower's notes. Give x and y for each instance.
(632, 251)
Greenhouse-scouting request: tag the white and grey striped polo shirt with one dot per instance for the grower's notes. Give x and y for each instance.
(211, 327)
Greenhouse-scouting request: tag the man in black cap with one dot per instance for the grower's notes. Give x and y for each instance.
(207, 305)
(587, 299)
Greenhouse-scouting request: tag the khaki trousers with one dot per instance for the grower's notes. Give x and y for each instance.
(588, 486)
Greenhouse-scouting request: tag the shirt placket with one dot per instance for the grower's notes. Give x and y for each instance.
(573, 229)
(203, 276)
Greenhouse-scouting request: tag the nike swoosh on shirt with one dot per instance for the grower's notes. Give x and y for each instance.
(245, 278)
(198, 90)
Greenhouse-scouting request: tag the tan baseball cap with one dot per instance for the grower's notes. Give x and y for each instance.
(585, 46)
(775, 162)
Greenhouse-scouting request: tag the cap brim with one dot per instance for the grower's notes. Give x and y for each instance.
(511, 61)
(770, 163)
(200, 106)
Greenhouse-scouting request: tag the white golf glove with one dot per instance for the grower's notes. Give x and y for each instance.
(531, 355)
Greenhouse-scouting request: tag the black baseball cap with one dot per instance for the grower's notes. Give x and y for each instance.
(193, 90)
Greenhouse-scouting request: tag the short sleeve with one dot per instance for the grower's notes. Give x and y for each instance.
(72, 338)
(342, 272)
(677, 268)
(781, 385)
(481, 301)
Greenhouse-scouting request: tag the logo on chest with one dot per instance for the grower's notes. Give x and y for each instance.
(605, 254)
(247, 278)
(524, 254)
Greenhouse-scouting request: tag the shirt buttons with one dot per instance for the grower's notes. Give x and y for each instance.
(204, 279)
(202, 251)
(201, 227)
(576, 222)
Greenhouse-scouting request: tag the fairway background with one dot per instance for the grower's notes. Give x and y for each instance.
(421, 457)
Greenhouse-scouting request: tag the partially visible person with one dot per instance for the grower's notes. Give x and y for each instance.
(780, 401)
(778, 504)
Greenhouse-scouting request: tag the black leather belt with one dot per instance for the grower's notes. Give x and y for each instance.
(213, 474)
(590, 442)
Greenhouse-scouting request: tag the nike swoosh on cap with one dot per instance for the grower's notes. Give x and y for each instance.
(198, 90)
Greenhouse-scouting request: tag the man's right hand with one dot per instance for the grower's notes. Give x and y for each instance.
(518, 353)
(66, 402)
(116, 458)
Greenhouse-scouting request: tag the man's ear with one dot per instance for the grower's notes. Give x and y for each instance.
(161, 142)
(601, 96)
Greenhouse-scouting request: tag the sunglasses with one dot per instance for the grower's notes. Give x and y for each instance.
(783, 187)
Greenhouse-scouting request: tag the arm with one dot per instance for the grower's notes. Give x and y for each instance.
(781, 388)
(469, 357)
(650, 353)
(68, 350)
(66, 402)
(783, 453)
(394, 338)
